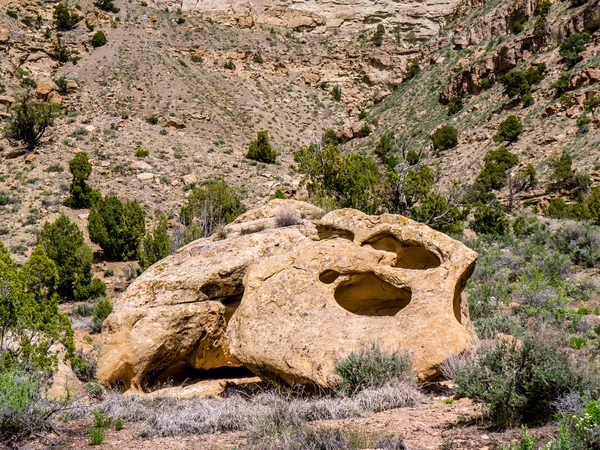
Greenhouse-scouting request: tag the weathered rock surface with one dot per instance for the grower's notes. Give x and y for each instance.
(371, 279)
(176, 313)
(421, 19)
(311, 291)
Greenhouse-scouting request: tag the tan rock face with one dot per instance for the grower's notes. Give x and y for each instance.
(176, 313)
(44, 86)
(384, 280)
(288, 297)
(422, 19)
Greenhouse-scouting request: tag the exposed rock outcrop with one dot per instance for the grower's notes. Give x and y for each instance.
(382, 279)
(177, 312)
(415, 19)
(311, 291)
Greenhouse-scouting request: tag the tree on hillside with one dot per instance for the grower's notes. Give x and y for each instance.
(211, 205)
(116, 227)
(29, 121)
(29, 313)
(81, 194)
(260, 149)
(155, 245)
(378, 35)
(64, 244)
(349, 181)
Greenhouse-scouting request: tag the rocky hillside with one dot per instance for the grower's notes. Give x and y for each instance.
(193, 88)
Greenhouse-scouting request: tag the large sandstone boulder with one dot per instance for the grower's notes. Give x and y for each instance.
(287, 295)
(175, 315)
(370, 279)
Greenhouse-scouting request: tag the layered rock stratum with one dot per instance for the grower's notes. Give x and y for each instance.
(413, 20)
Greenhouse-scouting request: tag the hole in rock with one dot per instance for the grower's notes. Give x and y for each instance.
(366, 294)
(410, 256)
(182, 374)
(329, 276)
(326, 232)
(231, 303)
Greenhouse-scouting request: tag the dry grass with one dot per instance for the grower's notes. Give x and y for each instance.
(270, 413)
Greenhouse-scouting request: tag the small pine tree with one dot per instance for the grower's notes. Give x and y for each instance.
(260, 149)
(572, 46)
(81, 194)
(99, 39)
(64, 20)
(155, 245)
(29, 121)
(378, 35)
(445, 137)
(107, 5)
(116, 227)
(64, 244)
(455, 105)
(489, 219)
(509, 130)
(209, 206)
(493, 175)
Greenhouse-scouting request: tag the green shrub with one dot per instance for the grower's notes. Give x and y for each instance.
(509, 129)
(378, 36)
(211, 205)
(260, 149)
(485, 83)
(99, 39)
(229, 65)
(528, 442)
(29, 121)
(64, 20)
(116, 227)
(527, 100)
(119, 424)
(102, 308)
(279, 194)
(455, 105)
(60, 51)
(544, 8)
(372, 367)
(493, 175)
(106, 5)
(518, 382)
(23, 411)
(156, 245)
(578, 431)
(412, 70)
(96, 436)
(180, 20)
(336, 93)
(562, 84)
(489, 219)
(81, 194)
(64, 243)
(84, 310)
(152, 120)
(563, 175)
(445, 137)
(29, 314)
(571, 46)
(141, 152)
(364, 131)
(96, 288)
(592, 103)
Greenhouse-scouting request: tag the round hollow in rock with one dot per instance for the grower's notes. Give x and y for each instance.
(366, 294)
(409, 255)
